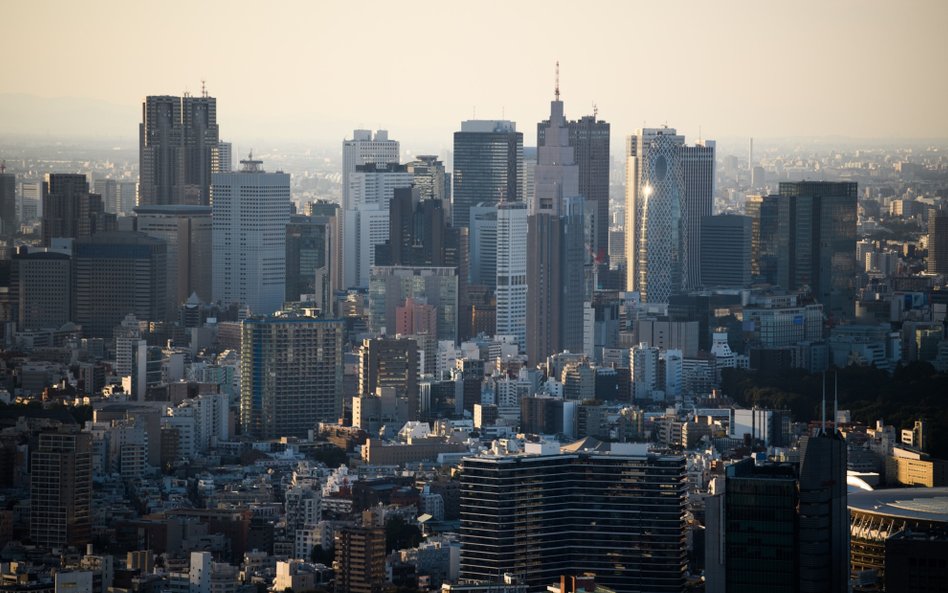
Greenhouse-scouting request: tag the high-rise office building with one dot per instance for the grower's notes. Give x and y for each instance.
(115, 274)
(430, 179)
(488, 166)
(366, 221)
(70, 211)
(751, 530)
(250, 209)
(669, 188)
(816, 242)
(8, 220)
(482, 235)
(726, 250)
(43, 289)
(310, 242)
(365, 148)
(615, 510)
(589, 138)
(389, 286)
(419, 234)
(222, 158)
(824, 518)
(763, 213)
(187, 230)
(938, 242)
(556, 253)
(511, 268)
(387, 362)
(290, 374)
(61, 489)
(108, 191)
(782, 526)
(177, 140)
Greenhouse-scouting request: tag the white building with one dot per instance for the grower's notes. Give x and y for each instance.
(644, 370)
(364, 148)
(511, 267)
(251, 209)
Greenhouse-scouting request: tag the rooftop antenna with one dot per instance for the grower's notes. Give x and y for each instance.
(203, 88)
(595, 111)
(823, 419)
(556, 91)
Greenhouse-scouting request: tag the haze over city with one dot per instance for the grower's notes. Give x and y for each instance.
(312, 71)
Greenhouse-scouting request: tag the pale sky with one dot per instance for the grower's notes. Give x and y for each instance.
(311, 71)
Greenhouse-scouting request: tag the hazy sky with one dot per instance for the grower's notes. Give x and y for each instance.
(313, 70)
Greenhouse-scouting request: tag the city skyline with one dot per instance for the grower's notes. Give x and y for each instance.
(709, 78)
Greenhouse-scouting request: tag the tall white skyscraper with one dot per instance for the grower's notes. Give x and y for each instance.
(365, 148)
(366, 220)
(511, 264)
(250, 211)
(669, 187)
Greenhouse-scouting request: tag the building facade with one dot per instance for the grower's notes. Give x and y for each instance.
(290, 374)
(187, 230)
(250, 211)
(488, 166)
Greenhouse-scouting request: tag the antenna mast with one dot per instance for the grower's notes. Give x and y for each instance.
(556, 90)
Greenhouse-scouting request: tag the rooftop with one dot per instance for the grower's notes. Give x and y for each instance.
(924, 504)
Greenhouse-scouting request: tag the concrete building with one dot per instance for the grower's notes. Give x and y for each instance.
(61, 489)
(177, 140)
(511, 272)
(938, 242)
(70, 211)
(251, 209)
(391, 363)
(365, 148)
(115, 274)
(725, 253)
(9, 224)
(43, 289)
(187, 230)
(290, 374)
(390, 286)
(617, 511)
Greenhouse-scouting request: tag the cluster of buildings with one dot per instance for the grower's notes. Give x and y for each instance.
(481, 377)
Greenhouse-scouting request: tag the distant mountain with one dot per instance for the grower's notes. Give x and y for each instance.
(24, 114)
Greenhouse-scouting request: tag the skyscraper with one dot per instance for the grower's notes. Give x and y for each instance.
(187, 230)
(366, 219)
(430, 179)
(511, 268)
(763, 213)
(310, 245)
(70, 211)
(389, 286)
(61, 489)
(43, 289)
(816, 242)
(365, 149)
(938, 242)
(387, 362)
(726, 251)
(290, 374)
(555, 247)
(108, 191)
(589, 138)
(360, 557)
(8, 222)
(115, 274)
(177, 140)
(669, 187)
(488, 166)
(251, 209)
(612, 509)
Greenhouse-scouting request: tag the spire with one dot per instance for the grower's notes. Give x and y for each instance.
(556, 90)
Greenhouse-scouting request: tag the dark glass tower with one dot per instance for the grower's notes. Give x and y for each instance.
(726, 251)
(488, 166)
(8, 224)
(816, 242)
(70, 211)
(763, 213)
